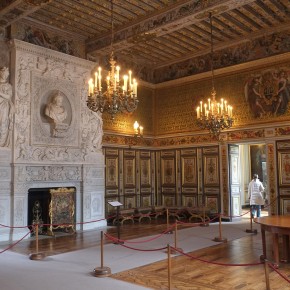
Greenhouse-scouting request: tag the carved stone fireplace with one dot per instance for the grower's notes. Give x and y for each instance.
(47, 151)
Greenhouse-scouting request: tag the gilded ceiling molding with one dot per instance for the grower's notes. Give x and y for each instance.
(37, 2)
(163, 23)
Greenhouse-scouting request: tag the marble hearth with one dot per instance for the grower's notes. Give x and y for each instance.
(44, 152)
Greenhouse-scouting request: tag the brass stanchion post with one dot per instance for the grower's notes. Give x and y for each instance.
(204, 224)
(167, 222)
(173, 251)
(169, 267)
(102, 271)
(220, 238)
(36, 255)
(267, 274)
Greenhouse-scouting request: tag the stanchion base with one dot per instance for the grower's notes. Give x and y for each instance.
(204, 225)
(175, 252)
(220, 240)
(118, 243)
(251, 231)
(262, 258)
(102, 271)
(36, 256)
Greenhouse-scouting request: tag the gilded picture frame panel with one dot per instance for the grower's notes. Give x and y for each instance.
(189, 171)
(284, 168)
(189, 200)
(129, 172)
(168, 200)
(285, 206)
(211, 171)
(168, 172)
(145, 200)
(130, 202)
(145, 172)
(112, 172)
(212, 204)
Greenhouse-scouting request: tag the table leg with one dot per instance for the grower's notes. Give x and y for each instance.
(264, 256)
(285, 249)
(276, 249)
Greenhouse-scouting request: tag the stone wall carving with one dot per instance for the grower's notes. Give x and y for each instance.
(38, 76)
(50, 152)
(6, 108)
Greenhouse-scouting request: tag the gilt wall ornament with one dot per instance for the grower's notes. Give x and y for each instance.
(268, 93)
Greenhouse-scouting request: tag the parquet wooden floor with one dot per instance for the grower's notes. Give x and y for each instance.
(191, 274)
(186, 273)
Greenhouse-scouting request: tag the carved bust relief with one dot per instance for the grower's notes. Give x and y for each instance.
(57, 113)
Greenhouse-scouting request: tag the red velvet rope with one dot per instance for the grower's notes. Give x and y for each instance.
(214, 263)
(14, 244)
(279, 273)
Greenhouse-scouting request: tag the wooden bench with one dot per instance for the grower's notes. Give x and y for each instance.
(197, 214)
(142, 213)
(177, 212)
(124, 215)
(158, 211)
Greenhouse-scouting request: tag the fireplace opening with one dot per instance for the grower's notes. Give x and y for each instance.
(52, 210)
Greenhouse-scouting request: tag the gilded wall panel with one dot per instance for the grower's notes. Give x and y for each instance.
(259, 96)
(123, 123)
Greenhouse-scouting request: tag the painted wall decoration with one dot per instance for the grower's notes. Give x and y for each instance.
(47, 39)
(258, 155)
(145, 172)
(268, 92)
(112, 172)
(284, 168)
(129, 172)
(168, 171)
(259, 48)
(211, 176)
(189, 171)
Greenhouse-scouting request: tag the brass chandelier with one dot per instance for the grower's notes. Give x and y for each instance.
(212, 115)
(117, 96)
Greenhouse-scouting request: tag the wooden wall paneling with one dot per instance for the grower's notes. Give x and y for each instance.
(158, 198)
(168, 177)
(283, 176)
(145, 179)
(200, 185)
(178, 178)
(211, 178)
(189, 177)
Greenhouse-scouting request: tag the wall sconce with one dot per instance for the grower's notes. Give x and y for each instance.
(138, 130)
(138, 135)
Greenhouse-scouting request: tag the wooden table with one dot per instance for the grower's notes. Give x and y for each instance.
(277, 225)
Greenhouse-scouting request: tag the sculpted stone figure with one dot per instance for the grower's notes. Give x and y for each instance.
(55, 109)
(57, 113)
(6, 108)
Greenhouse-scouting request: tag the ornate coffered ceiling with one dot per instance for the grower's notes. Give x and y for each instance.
(153, 33)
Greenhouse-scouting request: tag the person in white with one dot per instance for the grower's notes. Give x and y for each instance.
(255, 194)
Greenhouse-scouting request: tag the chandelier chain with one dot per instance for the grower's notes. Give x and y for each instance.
(212, 115)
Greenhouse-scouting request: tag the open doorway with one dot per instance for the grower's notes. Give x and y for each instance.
(245, 160)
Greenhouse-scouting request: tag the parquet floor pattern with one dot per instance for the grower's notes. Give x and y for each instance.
(187, 274)
(191, 274)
